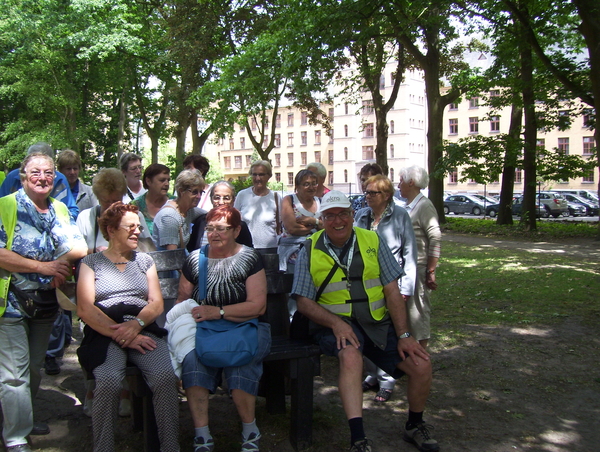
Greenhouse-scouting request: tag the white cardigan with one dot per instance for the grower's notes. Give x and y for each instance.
(182, 332)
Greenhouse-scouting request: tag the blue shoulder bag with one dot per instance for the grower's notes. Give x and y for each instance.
(223, 343)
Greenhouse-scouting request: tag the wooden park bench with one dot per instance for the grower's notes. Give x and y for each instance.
(290, 360)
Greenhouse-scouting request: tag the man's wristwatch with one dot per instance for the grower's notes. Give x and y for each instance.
(141, 322)
(222, 312)
(404, 335)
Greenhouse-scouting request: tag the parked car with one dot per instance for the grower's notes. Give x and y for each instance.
(555, 203)
(590, 206)
(463, 204)
(517, 206)
(576, 209)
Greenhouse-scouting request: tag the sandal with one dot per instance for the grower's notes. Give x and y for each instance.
(369, 387)
(383, 395)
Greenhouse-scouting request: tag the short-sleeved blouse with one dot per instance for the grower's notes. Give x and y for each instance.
(115, 287)
(226, 282)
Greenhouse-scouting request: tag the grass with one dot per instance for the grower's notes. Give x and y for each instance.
(492, 286)
(546, 230)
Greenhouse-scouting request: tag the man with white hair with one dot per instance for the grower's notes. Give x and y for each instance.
(346, 283)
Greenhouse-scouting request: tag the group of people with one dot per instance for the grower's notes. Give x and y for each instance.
(361, 277)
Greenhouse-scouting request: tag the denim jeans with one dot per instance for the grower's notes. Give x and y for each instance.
(23, 344)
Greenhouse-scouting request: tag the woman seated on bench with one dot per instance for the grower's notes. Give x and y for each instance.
(236, 290)
(119, 298)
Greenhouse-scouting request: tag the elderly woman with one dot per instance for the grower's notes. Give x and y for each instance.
(236, 290)
(299, 214)
(131, 166)
(222, 193)
(156, 181)
(428, 235)
(119, 298)
(392, 223)
(172, 223)
(261, 207)
(321, 173)
(38, 247)
(69, 163)
(109, 186)
(370, 169)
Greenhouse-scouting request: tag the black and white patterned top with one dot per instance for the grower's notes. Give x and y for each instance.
(226, 283)
(113, 286)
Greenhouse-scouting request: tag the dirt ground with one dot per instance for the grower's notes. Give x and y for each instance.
(508, 389)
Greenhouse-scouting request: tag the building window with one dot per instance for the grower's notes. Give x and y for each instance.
(453, 126)
(392, 78)
(317, 137)
(345, 130)
(474, 125)
(290, 119)
(303, 160)
(331, 115)
(278, 121)
(345, 175)
(367, 106)
(367, 153)
(277, 140)
(453, 106)
(589, 177)
(238, 162)
(290, 178)
(392, 126)
(563, 146)
(392, 174)
(290, 138)
(227, 162)
(254, 124)
(265, 142)
(242, 143)
(277, 160)
(474, 102)
(277, 177)
(588, 121)
(290, 159)
(330, 156)
(391, 151)
(345, 109)
(318, 156)
(303, 118)
(345, 153)
(303, 139)
(518, 176)
(330, 178)
(588, 145)
(231, 144)
(330, 135)
(494, 92)
(382, 82)
(453, 176)
(495, 124)
(369, 131)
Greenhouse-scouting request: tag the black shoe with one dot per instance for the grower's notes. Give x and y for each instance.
(51, 366)
(39, 428)
(420, 436)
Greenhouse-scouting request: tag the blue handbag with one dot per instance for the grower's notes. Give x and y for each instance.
(223, 343)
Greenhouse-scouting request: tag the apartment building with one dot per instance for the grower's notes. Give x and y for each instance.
(470, 117)
(351, 143)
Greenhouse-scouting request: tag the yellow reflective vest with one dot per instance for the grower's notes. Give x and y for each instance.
(8, 214)
(363, 275)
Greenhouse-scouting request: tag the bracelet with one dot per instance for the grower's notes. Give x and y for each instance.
(431, 272)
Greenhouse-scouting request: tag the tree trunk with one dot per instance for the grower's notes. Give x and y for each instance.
(508, 171)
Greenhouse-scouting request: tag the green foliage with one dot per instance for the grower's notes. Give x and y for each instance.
(546, 230)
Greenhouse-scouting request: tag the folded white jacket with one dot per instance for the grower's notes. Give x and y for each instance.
(182, 332)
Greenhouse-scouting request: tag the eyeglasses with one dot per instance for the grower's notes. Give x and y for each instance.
(135, 168)
(372, 193)
(37, 174)
(309, 184)
(332, 216)
(223, 198)
(218, 229)
(132, 227)
(195, 192)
